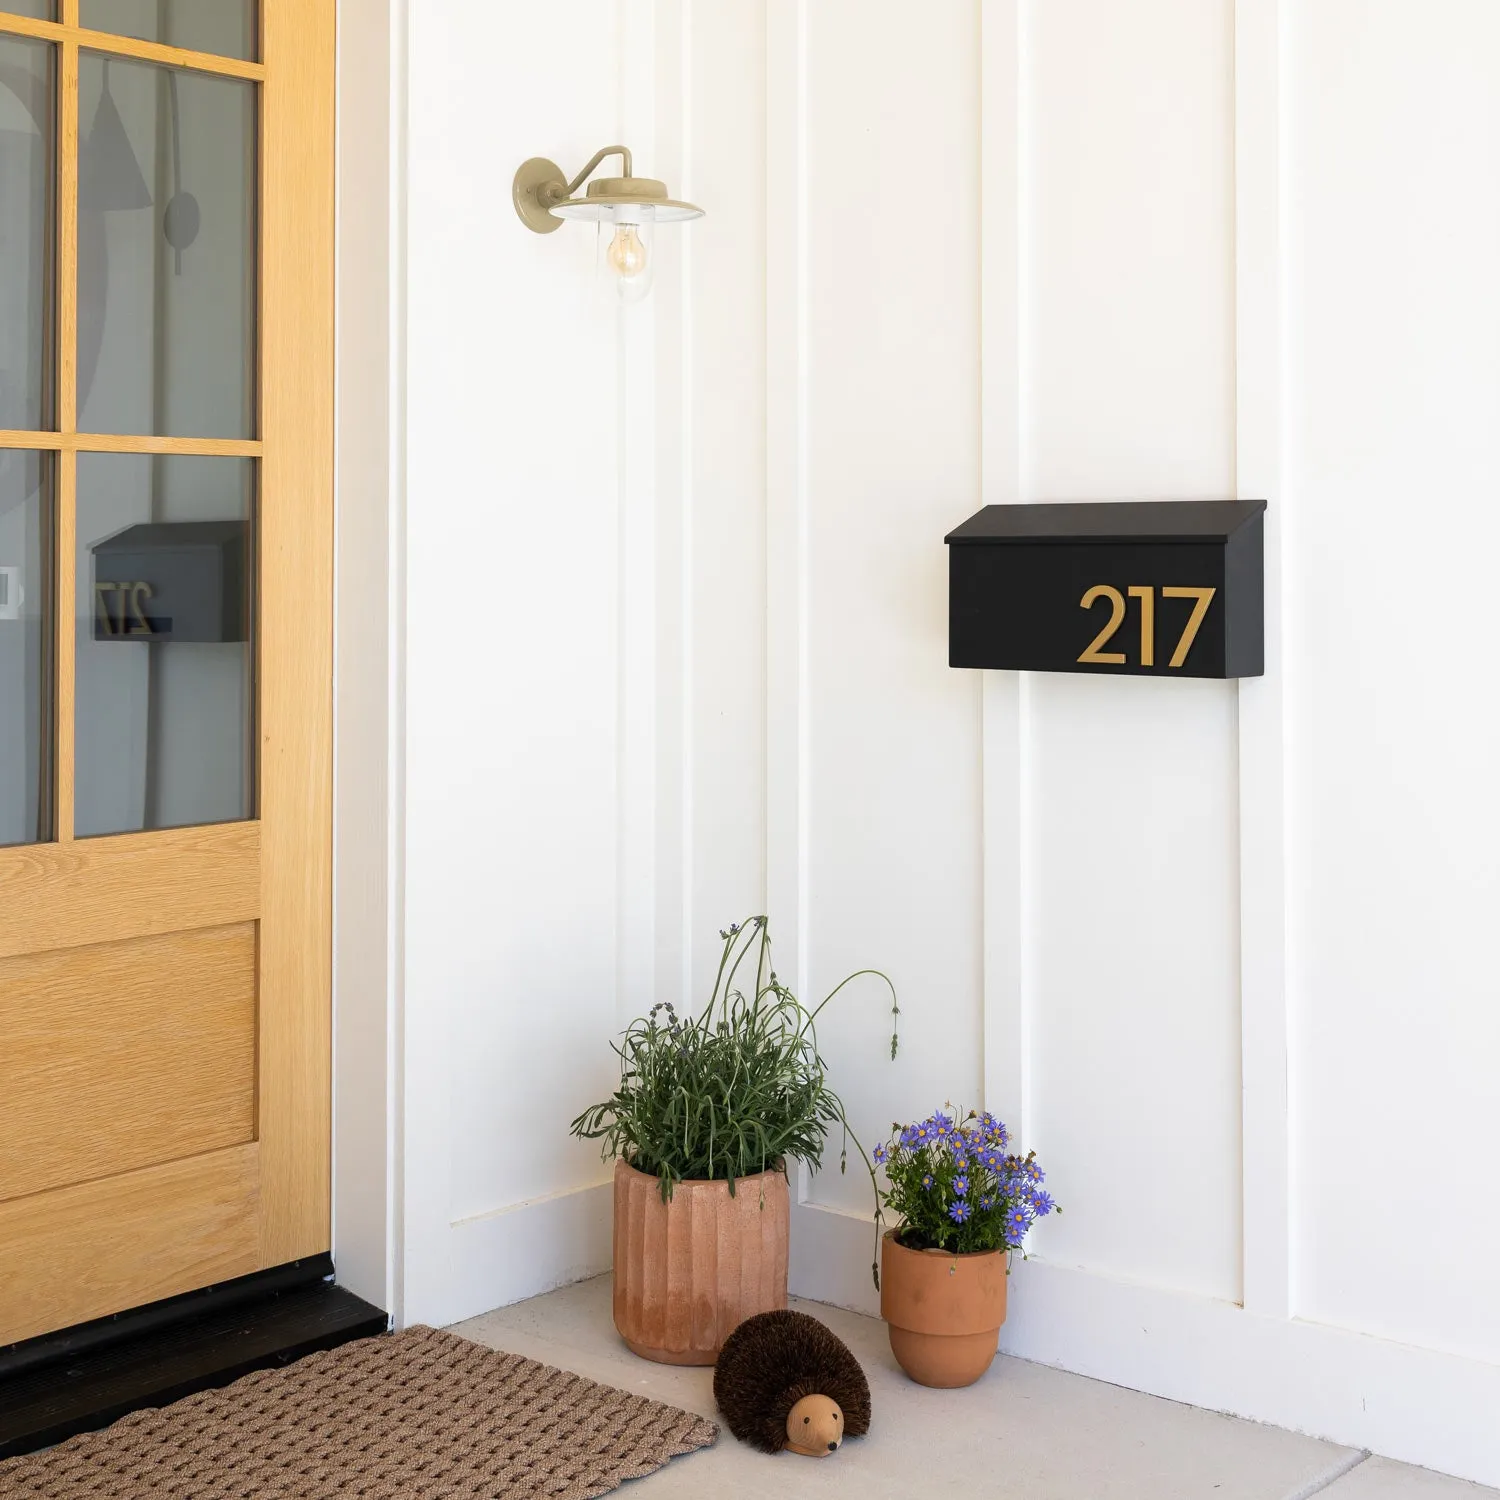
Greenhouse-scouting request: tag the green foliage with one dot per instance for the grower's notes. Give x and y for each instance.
(736, 1090)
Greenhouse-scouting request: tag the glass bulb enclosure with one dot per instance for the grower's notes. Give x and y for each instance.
(626, 264)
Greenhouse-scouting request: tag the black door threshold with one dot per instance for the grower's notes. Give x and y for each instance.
(87, 1377)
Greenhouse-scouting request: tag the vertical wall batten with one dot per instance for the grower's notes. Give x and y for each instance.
(1002, 695)
(1259, 353)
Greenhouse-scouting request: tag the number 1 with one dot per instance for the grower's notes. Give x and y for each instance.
(1147, 596)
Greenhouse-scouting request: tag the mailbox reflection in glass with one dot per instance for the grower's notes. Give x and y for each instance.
(172, 581)
(164, 700)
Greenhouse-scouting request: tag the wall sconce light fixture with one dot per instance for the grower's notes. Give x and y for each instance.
(630, 206)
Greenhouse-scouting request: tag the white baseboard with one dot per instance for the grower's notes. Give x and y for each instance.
(516, 1252)
(1416, 1405)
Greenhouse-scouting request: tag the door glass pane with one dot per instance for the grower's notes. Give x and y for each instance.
(26, 490)
(26, 129)
(165, 642)
(39, 10)
(227, 27)
(166, 251)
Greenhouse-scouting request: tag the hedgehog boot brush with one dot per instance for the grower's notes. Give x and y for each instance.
(784, 1380)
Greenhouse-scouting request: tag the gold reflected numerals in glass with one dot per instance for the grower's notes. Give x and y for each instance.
(164, 643)
(1146, 594)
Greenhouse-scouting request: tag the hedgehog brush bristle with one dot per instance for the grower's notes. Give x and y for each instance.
(770, 1362)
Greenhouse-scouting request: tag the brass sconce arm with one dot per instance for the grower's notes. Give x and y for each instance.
(594, 160)
(540, 186)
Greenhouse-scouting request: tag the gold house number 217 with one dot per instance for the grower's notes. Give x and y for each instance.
(1201, 598)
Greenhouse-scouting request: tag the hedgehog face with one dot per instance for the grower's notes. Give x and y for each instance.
(815, 1427)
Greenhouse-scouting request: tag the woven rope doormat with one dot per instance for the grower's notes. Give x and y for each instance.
(419, 1415)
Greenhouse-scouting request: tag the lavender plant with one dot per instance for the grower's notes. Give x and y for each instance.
(955, 1187)
(736, 1089)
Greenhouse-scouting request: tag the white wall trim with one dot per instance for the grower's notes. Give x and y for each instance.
(1416, 1405)
(787, 790)
(1003, 695)
(1260, 314)
(639, 731)
(523, 1250)
(368, 666)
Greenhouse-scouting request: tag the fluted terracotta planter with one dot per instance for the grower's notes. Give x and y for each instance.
(689, 1272)
(944, 1311)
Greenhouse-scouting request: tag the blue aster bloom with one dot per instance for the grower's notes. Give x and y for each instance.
(881, 1154)
(1032, 1172)
(1017, 1222)
(927, 1180)
(958, 1210)
(961, 1185)
(987, 1202)
(909, 1137)
(1041, 1204)
(942, 1125)
(960, 1162)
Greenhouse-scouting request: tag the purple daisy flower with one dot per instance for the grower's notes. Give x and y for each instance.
(1017, 1222)
(961, 1185)
(881, 1154)
(958, 1210)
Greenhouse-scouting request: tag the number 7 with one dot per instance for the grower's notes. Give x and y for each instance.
(1204, 598)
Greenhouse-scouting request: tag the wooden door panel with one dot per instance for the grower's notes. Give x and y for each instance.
(101, 890)
(165, 1109)
(123, 1055)
(86, 1251)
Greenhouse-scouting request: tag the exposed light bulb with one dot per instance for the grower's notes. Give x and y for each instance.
(626, 263)
(627, 252)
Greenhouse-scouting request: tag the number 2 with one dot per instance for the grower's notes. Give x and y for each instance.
(1202, 598)
(1116, 619)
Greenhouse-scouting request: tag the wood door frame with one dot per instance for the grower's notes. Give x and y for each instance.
(369, 652)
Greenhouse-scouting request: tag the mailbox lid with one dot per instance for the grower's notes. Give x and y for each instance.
(1158, 521)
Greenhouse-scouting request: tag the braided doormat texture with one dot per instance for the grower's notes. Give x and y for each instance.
(418, 1415)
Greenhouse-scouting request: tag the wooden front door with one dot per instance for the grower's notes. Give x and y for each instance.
(166, 398)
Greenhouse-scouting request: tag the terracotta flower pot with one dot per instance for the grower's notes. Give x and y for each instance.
(944, 1311)
(689, 1272)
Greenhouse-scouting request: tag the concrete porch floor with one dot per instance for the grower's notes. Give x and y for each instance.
(1025, 1432)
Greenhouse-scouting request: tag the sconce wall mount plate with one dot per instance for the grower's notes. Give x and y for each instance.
(538, 184)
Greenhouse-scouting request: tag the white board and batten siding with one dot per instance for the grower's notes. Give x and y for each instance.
(674, 649)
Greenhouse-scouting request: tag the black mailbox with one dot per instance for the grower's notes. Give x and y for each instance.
(1170, 588)
(173, 581)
